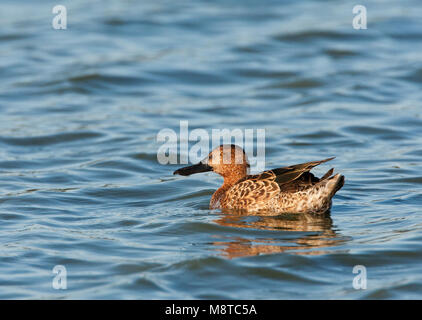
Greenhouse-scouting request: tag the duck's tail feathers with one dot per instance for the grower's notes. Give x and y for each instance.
(327, 175)
(335, 183)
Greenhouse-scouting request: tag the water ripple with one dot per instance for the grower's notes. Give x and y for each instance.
(80, 184)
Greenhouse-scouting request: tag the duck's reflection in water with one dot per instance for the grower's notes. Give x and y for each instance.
(299, 234)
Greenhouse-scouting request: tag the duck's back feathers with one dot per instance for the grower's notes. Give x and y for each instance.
(261, 188)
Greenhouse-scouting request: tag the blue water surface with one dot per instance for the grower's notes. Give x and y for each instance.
(80, 184)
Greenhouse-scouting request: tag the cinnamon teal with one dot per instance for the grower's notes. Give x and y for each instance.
(291, 189)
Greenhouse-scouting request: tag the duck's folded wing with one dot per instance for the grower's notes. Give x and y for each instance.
(291, 173)
(264, 186)
(251, 191)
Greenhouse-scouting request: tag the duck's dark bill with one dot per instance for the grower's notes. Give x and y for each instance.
(197, 168)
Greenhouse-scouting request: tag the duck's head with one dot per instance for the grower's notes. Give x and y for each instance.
(228, 160)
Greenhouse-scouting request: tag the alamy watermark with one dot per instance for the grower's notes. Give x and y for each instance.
(60, 20)
(359, 281)
(360, 18)
(60, 280)
(175, 145)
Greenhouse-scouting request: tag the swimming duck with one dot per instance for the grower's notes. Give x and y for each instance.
(291, 189)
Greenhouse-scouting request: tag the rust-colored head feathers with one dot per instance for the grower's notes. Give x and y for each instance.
(229, 161)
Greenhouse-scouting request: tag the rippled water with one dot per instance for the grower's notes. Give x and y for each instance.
(80, 184)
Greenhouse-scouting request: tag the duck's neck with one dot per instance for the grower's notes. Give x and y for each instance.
(220, 193)
(232, 179)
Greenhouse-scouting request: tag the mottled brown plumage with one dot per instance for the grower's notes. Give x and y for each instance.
(291, 189)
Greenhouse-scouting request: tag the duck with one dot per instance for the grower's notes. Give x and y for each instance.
(284, 190)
